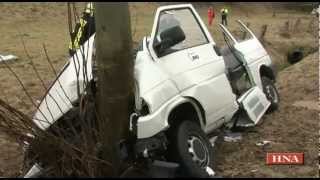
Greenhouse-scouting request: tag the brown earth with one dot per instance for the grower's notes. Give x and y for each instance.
(294, 128)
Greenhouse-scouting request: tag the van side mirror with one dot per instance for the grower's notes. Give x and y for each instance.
(169, 38)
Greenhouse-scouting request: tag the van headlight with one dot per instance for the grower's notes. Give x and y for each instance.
(144, 108)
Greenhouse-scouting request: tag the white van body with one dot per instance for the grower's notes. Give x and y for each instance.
(196, 75)
(165, 82)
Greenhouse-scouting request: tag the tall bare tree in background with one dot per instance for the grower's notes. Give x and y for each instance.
(115, 76)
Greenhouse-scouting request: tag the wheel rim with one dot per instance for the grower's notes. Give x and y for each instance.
(271, 94)
(198, 151)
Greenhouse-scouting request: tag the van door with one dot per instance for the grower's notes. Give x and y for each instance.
(253, 101)
(252, 51)
(192, 64)
(251, 47)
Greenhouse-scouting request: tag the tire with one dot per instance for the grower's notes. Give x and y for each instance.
(271, 93)
(182, 139)
(295, 56)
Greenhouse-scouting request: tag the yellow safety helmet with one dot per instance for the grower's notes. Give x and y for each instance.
(89, 8)
(224, 10)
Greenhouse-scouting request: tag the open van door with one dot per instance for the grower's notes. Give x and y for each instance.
(253, 101)
(250, 46)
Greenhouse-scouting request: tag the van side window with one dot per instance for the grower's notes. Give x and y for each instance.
(241, 34)
(188, 23)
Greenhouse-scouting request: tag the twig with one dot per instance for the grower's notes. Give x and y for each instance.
(23, 87)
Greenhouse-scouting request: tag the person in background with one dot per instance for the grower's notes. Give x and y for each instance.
(83, 29)
(211, 15)
(224, 14)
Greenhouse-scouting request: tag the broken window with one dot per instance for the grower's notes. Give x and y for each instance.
(241, 34)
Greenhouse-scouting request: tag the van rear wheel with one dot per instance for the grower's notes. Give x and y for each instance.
(190, 147)
(271, 93)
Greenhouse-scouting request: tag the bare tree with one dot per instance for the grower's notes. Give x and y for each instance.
(115, 76)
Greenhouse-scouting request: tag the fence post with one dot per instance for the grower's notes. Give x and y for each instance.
(263, 32)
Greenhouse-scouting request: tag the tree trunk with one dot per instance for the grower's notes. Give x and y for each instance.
(115, 76)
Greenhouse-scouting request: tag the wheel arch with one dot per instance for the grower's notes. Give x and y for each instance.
(267, 72)
(186, 108)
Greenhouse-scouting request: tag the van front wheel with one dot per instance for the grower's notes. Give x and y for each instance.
(190, 147)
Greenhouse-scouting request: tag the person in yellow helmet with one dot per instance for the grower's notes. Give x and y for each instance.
(224, 14)
(83, 29)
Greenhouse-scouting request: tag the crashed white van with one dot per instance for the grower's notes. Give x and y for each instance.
(186, 87)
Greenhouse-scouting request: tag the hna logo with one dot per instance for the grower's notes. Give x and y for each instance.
(284, 158)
